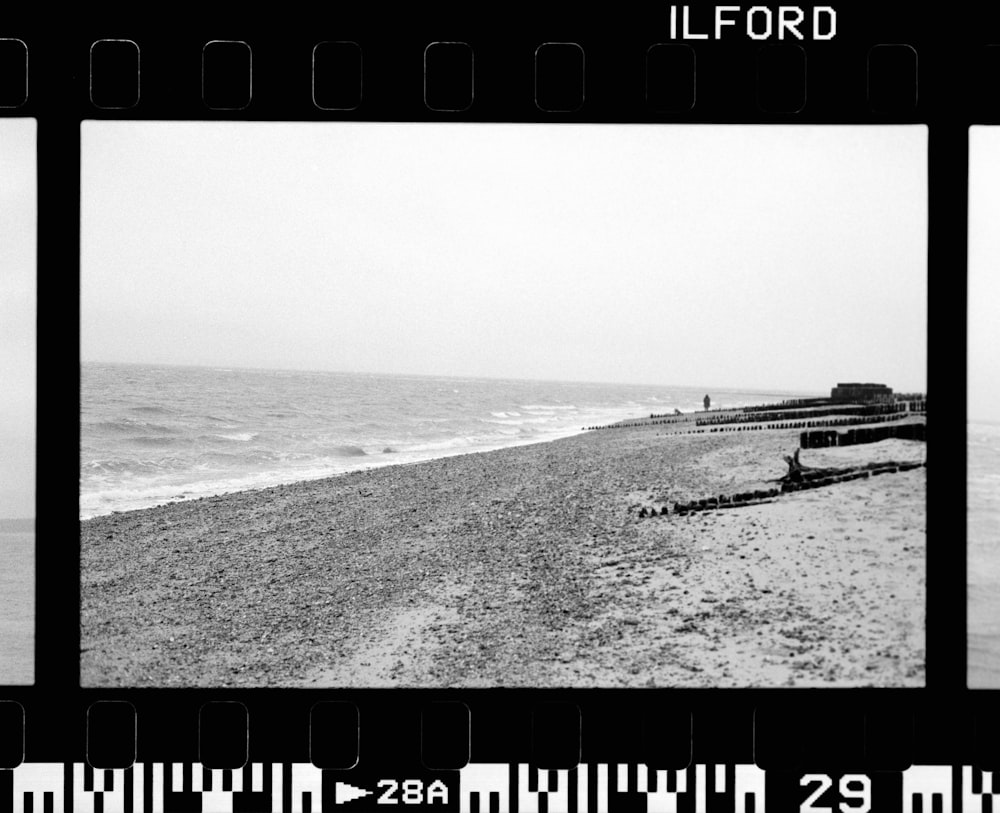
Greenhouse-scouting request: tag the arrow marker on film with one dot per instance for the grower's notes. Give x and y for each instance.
(343, 793)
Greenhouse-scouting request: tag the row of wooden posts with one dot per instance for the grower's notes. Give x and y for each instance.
(824, 439)
(808, 480)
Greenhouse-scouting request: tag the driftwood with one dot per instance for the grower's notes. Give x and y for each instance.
(795, 469)
(799, 472)
(798, 469)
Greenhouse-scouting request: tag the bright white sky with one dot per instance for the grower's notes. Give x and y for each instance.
(759, 257)
(18, 221)
(984, 278)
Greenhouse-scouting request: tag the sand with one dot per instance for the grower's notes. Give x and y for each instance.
(526, 566)
(983, 555)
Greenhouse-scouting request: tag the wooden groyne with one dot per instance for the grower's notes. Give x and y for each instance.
(805, 480)
(865, 434)
(801, 413)
(748, 415)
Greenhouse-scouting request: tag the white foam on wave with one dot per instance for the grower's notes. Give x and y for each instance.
(547, 407)
(240, 436)
(163, 490)
(542, 419)
(335, 429)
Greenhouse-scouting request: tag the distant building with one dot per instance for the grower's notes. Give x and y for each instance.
(862, 393)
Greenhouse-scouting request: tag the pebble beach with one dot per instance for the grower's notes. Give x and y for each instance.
(523, 567)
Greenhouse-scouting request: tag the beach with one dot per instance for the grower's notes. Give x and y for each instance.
(983, 556)
(523, 566)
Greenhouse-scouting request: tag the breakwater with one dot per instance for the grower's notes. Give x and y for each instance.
(825, 439)
(754, 427)
(757, 416)
(801, 414)
(805, 480)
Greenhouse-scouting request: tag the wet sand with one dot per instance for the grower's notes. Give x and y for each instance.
(526, 566)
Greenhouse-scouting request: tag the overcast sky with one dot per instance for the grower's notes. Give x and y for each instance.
(760, 257)
(17, 318)
(984, 273)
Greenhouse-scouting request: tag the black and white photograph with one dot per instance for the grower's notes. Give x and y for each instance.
(503, 405)
(17, 400)
(983, 419)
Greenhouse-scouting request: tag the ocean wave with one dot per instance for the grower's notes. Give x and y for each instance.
(242, 437)
(151, 410)
(229, 437)
(128, 426)
(219, 471)
(224, 458)
(343, 451)
(216, 419)
(119, 466)
(306, 430)
(443, 444)
(239, 459)
(148, 440)
(534, 419)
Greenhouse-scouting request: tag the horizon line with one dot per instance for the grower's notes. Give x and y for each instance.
(728, 387)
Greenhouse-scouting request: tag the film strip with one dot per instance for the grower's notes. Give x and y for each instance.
(180, 741)
(294, 787)
(480, 787)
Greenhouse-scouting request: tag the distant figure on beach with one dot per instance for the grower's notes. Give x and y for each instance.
(708, 403)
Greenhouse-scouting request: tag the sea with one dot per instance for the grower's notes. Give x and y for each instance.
(983, 557)
(153, 434)
(17, 602)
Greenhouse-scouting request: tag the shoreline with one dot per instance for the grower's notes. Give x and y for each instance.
(367, 467)
(688, 417)
(184, 491)
(522, 566)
